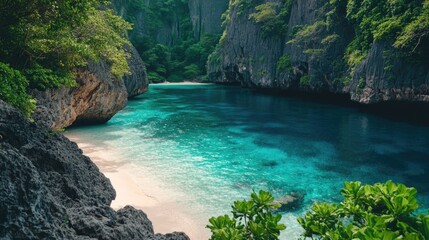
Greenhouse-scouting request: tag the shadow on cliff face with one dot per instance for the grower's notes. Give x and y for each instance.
(50, 190)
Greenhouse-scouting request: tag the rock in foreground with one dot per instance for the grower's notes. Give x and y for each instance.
(50, 190)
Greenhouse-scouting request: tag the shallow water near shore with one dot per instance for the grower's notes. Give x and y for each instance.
(209, 145)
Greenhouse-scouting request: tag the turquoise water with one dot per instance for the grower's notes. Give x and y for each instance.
(215, 144)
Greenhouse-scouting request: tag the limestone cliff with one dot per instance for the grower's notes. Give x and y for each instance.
(50, 190)
(97, 97)
(206, 16)
(249, 57)
(167, 30)
(136, 83)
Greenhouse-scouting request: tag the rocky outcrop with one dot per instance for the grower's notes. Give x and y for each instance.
(206, 16)
(50, 190)
(382, 78)
(136, 83)
(96, 98)
(249, 57)
(246, 56)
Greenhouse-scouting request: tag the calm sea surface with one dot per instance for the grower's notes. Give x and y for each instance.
(215, 144)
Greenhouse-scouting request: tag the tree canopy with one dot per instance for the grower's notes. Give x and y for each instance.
(45, 40)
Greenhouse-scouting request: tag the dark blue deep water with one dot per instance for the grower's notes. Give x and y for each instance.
(217, 143)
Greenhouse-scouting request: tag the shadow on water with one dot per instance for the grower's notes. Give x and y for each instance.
(406, 112)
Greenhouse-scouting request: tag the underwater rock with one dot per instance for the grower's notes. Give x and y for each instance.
(290, 202)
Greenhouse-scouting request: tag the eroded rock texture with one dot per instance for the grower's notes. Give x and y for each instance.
(97, 97)
(249, 57)
(50, 190)
(206, 16)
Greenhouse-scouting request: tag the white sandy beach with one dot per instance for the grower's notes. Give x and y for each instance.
(143, 192)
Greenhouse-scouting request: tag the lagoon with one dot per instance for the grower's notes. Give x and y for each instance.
(208, 145)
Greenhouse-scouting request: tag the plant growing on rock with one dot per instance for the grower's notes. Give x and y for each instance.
(379, 211)
(252, 219)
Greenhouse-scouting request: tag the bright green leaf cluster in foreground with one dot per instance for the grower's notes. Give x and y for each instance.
(368, 212)
(379, 211)
(252, 219)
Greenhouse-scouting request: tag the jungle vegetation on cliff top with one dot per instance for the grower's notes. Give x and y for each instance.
(183, 56)
(42, 42)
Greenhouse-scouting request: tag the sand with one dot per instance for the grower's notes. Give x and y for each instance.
(145, 193)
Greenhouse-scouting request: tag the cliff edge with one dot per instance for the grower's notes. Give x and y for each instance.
(305, 53)
(97, 97)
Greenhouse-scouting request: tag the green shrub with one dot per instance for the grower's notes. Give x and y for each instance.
(191, 71)
(305, 80)
(252, 219)
(361, 85)
(379, 211)
(273, 17)
(154, 77)
(284, 65)
(175, 78)
(43, 78)
(13, 87)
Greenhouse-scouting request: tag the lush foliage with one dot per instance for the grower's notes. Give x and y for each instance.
(182, 56)
(252, 219)
(46, 40)
(284, 64)
(388, 20)
(13, 86)
(379, 211)
(184, 60)
(404, 24)
(273, 17)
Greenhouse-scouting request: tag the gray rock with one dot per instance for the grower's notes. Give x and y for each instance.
(136, 83)
(249, 58)
(290, 202)
(50, 190)
(404, 82)
(96, 99)
(206, 16)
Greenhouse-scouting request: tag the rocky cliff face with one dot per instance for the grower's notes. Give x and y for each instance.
(96, 99)
(168, 29)
(206, 16)
(248, 57)
(378, 79)
(136, 83)
(50, 190)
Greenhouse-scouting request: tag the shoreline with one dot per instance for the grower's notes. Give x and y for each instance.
(144, 193)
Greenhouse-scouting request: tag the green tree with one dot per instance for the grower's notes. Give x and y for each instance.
(252, 219)
(47, 40)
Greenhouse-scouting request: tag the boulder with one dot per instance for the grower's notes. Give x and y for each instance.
(136, 83)
(97, 97)
(290, 202)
